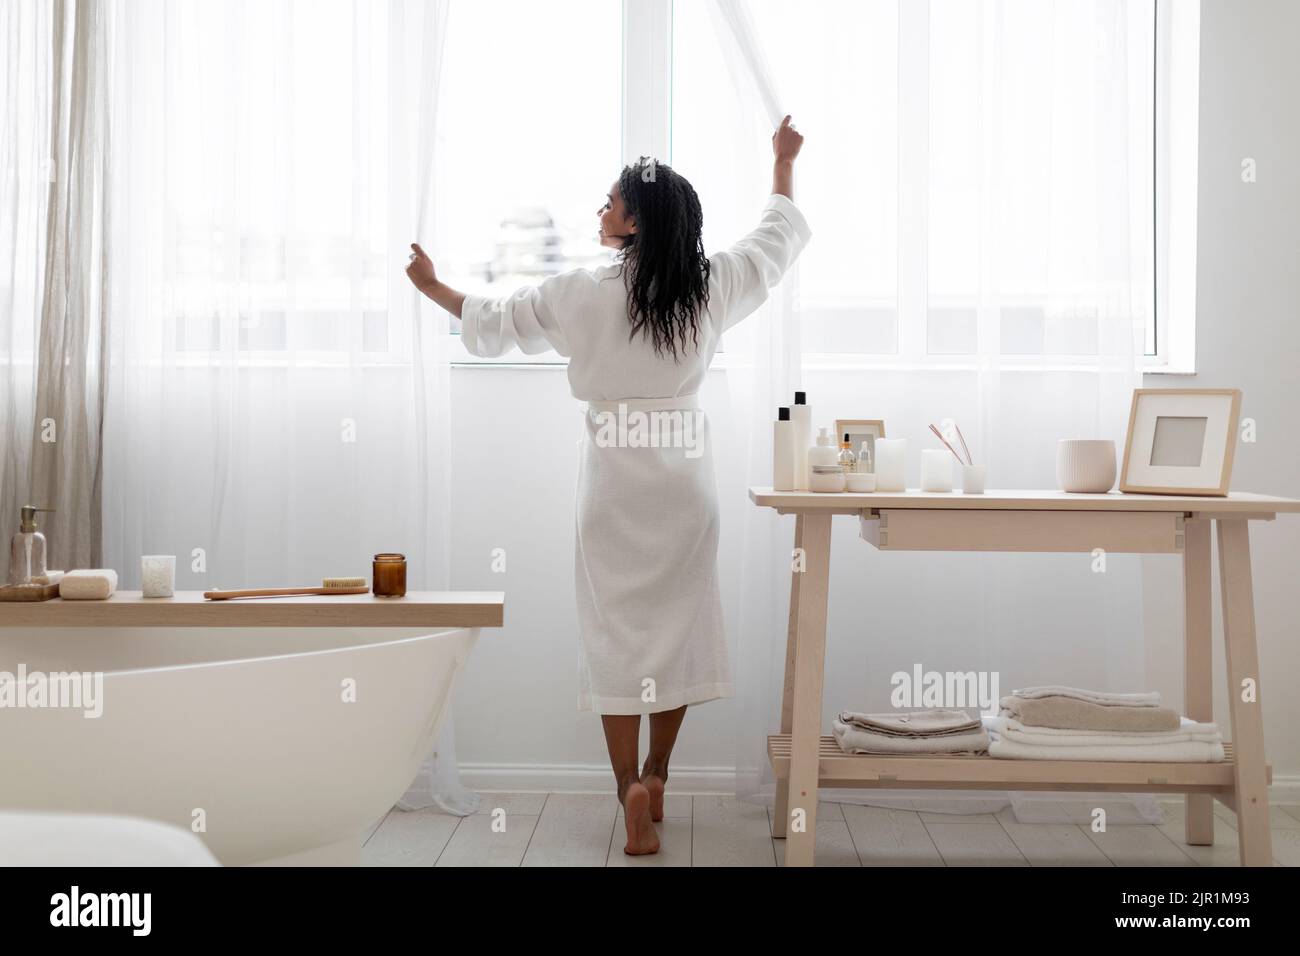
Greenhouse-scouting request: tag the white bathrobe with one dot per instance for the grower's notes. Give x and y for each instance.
(646, 544)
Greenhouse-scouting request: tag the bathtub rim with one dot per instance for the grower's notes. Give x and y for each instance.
(163, 668)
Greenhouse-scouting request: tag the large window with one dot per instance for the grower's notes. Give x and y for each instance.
(958, 160)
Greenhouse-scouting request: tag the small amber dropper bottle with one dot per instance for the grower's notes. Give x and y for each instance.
(848, 460)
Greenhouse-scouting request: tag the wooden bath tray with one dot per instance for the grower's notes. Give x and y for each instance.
(29, 592)
(432, 609)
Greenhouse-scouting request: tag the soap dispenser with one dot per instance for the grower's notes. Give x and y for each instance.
(27, 549)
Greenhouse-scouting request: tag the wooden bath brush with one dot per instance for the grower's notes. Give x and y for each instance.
(328, 586)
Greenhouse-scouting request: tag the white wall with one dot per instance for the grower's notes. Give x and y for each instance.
(515, 463)
(1248, 336)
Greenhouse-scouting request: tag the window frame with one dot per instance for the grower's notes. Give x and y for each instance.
(1175, 166)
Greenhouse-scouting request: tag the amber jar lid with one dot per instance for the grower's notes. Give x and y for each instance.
(390, 557)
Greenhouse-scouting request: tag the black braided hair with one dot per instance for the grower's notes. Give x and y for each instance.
(666, 272)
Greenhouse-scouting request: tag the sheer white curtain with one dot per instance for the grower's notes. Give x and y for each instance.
(977, 178)
(278, 403)
(26, 105)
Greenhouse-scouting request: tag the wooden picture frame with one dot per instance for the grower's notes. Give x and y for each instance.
(873, 427)
(1208, 416)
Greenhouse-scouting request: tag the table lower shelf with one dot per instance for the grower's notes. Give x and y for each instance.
(972, 772)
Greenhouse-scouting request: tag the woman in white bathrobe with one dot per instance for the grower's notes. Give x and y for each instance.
(639, 334)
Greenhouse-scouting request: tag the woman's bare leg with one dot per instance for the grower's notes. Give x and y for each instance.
(621, 733)
(654, 775)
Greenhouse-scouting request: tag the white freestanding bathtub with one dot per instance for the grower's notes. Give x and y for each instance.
(284, 743)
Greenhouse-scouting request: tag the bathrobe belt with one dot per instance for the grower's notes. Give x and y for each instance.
(645, 404)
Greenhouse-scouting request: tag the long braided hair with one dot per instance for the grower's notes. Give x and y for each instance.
(666, 272)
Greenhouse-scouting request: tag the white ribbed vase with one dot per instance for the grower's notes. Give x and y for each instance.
(1085, 465)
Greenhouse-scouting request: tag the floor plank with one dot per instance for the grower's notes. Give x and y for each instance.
(730, 832)
(574, 829)
(886, 837)
(1286, 846)
(928, 817)
(414, 838)
(526, 803)
(1278, 817)
(1223, 852)
(1051, 844)
(834, 843)
(476, 843)
(975, 844)
(1142, 845)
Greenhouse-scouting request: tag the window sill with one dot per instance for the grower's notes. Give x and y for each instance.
(1167, 370)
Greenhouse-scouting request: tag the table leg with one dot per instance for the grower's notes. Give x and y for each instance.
(1198, 670)
(1251, 777)
(809, 670)
(781, 809)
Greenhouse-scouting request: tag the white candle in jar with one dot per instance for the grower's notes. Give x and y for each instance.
(158, 575)
(891, 457)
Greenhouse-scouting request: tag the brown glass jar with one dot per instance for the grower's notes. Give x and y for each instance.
(389, 575)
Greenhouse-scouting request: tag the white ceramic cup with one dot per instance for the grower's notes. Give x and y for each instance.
(972, 479)
(1085, 465)
(936, 469)
(158, 575)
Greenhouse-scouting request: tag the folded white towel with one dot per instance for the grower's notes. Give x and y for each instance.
(1151, 699)
(88, 584)
(855, 740)
(1013, 730)
(1183, 751)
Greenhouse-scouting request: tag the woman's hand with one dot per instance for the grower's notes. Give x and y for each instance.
(786, 142)
(420, 271)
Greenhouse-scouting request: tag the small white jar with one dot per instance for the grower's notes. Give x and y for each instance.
(861, 482)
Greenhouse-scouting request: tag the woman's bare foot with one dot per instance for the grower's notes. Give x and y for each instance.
(641, 835)
(654, 785)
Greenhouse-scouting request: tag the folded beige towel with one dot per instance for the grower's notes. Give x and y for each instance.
(913, 723)
(49, 577)
(854, 740)
(88, 584)
(1072, 713)
(1104, 697)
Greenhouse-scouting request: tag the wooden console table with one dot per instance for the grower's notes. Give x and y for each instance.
(804, 760)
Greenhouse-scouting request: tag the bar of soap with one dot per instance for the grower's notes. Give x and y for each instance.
(49, 577)
(88, 584)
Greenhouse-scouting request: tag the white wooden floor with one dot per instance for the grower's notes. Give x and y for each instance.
(578, 829)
